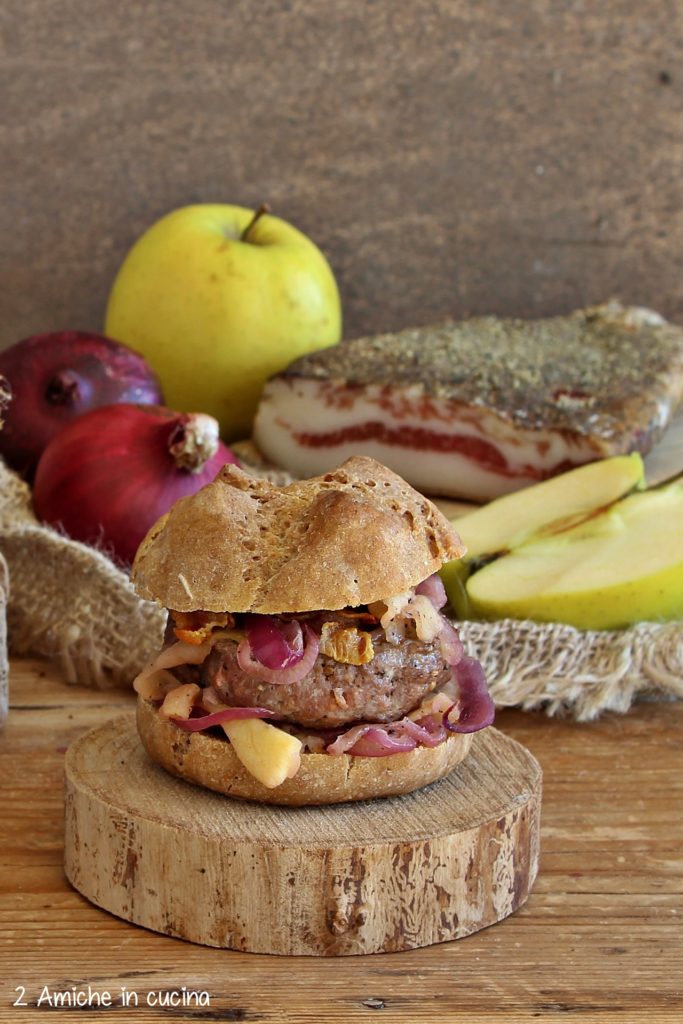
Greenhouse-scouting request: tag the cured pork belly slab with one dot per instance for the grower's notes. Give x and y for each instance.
(483, 407)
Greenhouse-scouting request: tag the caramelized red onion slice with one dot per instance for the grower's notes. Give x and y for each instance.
(377, 742)
(434, 589)
(450, 644)
(218, 717)
(370, 740)
(428, 731)
(344, 742)
(475, 706)
(293, 673)
(171, 657)
(274, 643)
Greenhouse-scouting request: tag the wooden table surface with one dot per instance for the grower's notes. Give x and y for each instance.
(599, 940)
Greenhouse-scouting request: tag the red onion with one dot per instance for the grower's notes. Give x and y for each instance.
(428, 731)
(377, 742)
(175, 654)
(434, 589)
(293, 673)
(218, 717)
(475, 706)
(57, 377)
(346, 740)
(371, 740)
(107, 477)
(450, 644)
(274, 643)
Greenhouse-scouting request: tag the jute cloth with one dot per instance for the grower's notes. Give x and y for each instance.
(4, 667)
(70, 602)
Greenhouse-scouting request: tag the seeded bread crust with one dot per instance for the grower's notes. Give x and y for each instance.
(355, 535)
(210, 761)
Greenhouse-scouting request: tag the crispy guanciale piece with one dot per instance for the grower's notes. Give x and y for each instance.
(346, 644)
(195, 627)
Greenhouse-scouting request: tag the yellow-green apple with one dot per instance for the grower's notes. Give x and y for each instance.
(218, 298)
(620, 566)
(269, 754)
(547, 507)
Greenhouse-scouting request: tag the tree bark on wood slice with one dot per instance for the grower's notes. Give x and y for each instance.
(370, 877)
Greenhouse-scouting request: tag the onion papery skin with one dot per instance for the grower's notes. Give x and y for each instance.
(57, 377)
(108, 476)
(5, 397)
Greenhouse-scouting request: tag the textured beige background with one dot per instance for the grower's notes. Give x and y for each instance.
(450, 157)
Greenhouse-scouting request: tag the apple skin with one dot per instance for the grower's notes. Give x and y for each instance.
(550, 506)
(622, 566)
(542, 509)
(214, 315)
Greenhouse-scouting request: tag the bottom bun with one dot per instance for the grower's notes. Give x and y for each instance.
(322, 778)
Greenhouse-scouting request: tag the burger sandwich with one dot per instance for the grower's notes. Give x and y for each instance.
(307, 657)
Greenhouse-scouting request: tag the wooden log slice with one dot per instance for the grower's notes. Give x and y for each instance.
(369, 877)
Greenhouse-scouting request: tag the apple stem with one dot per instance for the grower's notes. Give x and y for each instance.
(263, 208)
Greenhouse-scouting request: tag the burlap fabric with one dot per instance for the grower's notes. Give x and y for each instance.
(71, 603)
(4, 667)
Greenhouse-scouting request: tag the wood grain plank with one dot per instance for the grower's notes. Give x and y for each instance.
(600, 937)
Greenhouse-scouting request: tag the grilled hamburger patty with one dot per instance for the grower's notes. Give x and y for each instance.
(335, 694)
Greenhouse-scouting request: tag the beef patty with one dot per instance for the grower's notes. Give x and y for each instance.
(334, 694)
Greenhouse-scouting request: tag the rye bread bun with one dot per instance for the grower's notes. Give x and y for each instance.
(322, 779)
(242, 544)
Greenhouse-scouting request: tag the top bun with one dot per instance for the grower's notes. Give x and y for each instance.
(241, 544)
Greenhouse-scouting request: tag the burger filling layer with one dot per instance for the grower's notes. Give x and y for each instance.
(371, 681)
(335, 693)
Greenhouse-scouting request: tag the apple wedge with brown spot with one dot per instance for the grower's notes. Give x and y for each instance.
(621, 566)
(545, 508)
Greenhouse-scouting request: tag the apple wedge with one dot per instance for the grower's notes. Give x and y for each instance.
(550, 506)
(268, 753)
(546, 508)
(622, 565)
